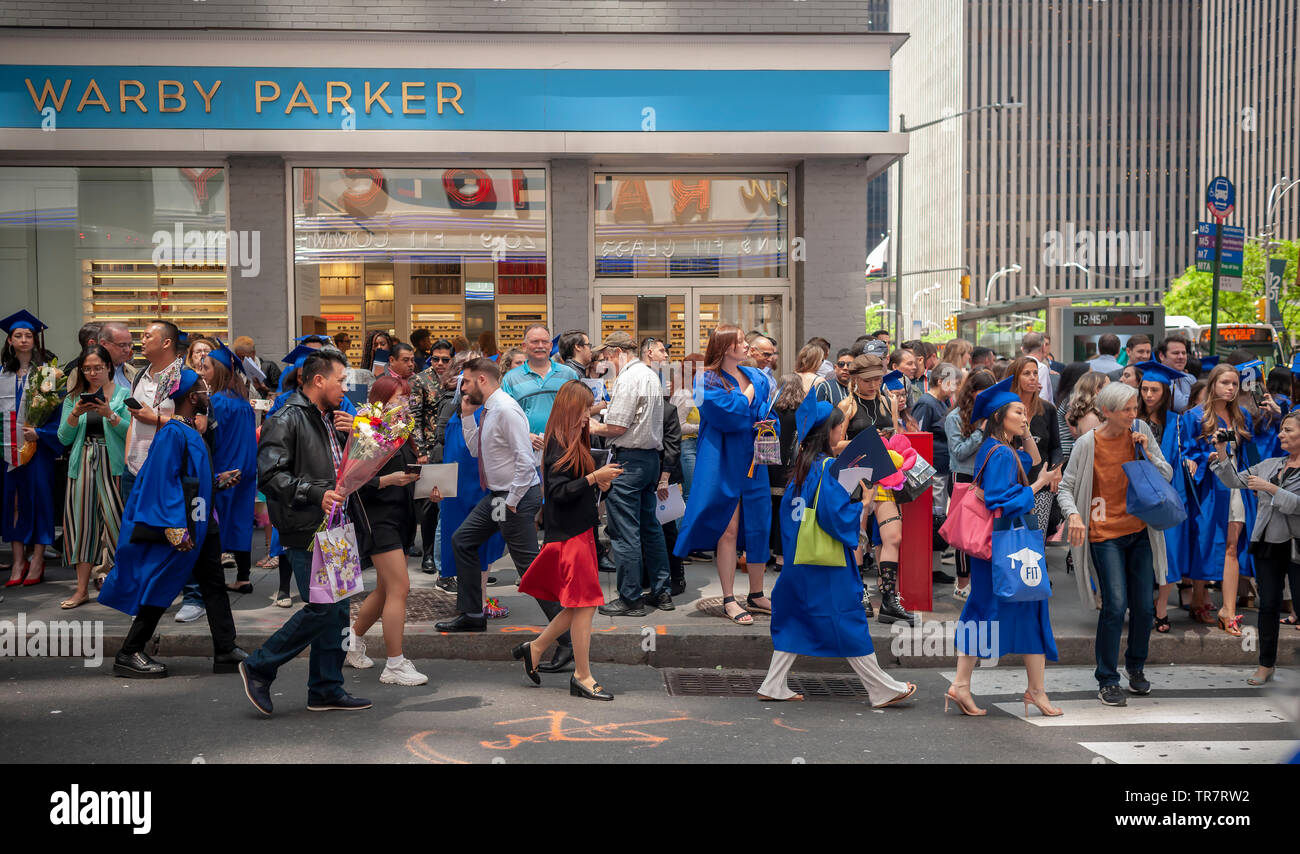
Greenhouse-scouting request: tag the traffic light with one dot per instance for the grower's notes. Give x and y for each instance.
(950, 323)
(1261, 310)
(965, 287)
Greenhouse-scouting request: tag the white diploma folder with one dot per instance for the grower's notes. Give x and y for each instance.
(441, 475)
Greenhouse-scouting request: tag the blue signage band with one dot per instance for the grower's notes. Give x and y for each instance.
(515, 99)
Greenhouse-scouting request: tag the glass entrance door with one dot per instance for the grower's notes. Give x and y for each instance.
(685, 317)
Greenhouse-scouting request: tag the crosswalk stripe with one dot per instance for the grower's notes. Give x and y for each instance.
(1194, 752)
(987, 681)
(1157, 710)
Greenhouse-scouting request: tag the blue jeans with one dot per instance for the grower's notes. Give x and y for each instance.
(633, 528)
(318, 625)
(1126, 582)
(690, 445)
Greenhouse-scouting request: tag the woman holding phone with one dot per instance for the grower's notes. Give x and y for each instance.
(93, 426)
(390, 510)
(566, 569)
(374, 356)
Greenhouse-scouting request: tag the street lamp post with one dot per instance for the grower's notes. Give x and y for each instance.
(1268, 212)
(898, 228)
(988, 288)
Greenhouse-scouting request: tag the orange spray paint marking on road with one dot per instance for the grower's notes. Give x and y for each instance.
(777, 721)
(417, 745)
(558, 731)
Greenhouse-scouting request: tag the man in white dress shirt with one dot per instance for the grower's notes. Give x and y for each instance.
(507, 470)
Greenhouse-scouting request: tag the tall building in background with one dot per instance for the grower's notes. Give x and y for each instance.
(1250, 115)
(1104, 151)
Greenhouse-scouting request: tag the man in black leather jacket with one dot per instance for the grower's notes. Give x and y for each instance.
(297, 457)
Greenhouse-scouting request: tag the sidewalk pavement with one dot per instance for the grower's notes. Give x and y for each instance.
(685, 637)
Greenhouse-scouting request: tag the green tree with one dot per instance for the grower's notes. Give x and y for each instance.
(1190, 294)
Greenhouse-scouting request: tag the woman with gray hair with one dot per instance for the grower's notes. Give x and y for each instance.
(1124, 555)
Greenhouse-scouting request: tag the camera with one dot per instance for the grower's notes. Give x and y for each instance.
(1224, 436)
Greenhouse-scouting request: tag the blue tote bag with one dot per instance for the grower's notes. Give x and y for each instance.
(1019, 560)
(1150, 497)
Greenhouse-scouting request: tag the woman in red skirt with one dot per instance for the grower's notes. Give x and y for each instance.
(565, 570)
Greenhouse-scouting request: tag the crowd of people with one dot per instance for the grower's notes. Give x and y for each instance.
(172, 465)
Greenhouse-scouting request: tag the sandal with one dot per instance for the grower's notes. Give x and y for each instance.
(69, 604)
(1162, 625)
(1205, 614)
(744, 618)
(906, 695)
(268, 562)
(765, 699)
(1290, 620)
(754, 606)
(1232, 627)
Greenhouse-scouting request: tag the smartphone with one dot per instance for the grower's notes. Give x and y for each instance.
(92, 397)
(413, 469)
(133, 404)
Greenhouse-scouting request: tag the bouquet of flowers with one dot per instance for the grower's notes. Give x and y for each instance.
(43, 393)
(378, 432)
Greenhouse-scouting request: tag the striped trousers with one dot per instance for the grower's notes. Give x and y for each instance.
(92, 511)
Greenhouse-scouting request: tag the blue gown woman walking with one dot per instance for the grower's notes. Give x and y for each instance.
(730, 505)
(817, 610)
(234, 448)
(990, 627)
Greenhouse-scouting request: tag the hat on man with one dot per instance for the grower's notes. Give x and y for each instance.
(619, 339)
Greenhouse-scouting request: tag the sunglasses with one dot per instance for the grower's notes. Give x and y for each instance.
(440, 359)
(843, 364)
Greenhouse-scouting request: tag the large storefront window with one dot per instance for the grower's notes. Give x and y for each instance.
(696, 225)
(457, 251)
(115, 243)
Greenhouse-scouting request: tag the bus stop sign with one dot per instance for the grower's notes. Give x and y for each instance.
(1220, 197)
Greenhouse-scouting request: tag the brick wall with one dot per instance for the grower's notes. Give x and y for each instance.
(831, 216)
(258, 304)
(660, 16)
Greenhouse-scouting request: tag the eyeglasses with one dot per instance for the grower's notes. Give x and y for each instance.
(440, 359)
(92, 369)
(844, 364)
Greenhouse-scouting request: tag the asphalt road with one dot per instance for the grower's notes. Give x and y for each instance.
(57, 711)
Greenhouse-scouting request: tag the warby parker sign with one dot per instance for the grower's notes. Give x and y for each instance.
(505, 99)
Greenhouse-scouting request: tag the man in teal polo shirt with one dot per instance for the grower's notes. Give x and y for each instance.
(535, 383)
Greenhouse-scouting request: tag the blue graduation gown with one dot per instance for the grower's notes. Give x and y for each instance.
(154, 573)
(1178, 539)
(724, 451)
(452, 511)
(29, 507)
(1023, 628)
(817, 610)
(1209, 544)
(235, 447)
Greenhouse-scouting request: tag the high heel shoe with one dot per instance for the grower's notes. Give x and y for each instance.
(40, 576)
(524, 652)
(1232, 627)
(596, 692)
(1254, 679)
(1048, 711)
(971, 709)
(17, 582)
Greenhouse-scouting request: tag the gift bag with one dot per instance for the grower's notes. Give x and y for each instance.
(916, 480)
(1019, 561)
(335, 561)
(767, 444)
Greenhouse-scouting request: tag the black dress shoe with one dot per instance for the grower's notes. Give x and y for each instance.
(228, 662)
(619, 608)
(941, 577)
(701, 555)
(524, 652)
(258, 691)
(463, 623)
(677, 587)
(560, 660)
(664, 602)
(428, 566)
(599, 693)
(137, 665)
(344, 702)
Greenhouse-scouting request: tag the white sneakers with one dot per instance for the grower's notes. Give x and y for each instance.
(961, 594)
(190, 613)
(356, 656)
(403, 674)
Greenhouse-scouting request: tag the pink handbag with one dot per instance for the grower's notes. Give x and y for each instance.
(969, 526)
